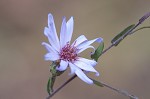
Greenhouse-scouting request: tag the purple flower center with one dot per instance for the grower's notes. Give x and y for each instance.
(68, 53)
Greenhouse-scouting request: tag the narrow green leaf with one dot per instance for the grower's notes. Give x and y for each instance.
(98, 52)
(53, 68)
(120, 35)
(54, 74)
(51, 79)
(48, 86)
(98, 83)
(145, 27)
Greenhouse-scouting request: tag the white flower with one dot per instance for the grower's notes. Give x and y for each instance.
(66, 53)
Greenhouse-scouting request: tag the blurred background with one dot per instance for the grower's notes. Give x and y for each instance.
(23, 71)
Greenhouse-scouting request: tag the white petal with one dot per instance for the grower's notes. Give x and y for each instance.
(51, 33)
(72, 68)
(63, 65)
(63, 33)
(83, 77)
(87, 61)
(79, 40)
(49, 48)
(87, 43)
(51, 56)
(85, 66)
(79, 73)
(84, 48)
(51, 39)
(70, 25)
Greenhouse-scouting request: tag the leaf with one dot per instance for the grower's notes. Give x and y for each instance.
(53, 67)
(54, 74)
(98, 52)
(51, 79)
(145, 27)
(97, 83)
(50, 84)
(122, 35)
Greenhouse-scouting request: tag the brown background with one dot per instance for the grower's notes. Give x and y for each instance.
(23, 71)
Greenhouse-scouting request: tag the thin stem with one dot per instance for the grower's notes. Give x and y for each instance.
(123, 92)
(104, 51)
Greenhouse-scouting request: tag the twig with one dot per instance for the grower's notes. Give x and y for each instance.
(123, 92)
(141, 20)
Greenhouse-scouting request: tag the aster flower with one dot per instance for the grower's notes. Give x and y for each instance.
(68, 54)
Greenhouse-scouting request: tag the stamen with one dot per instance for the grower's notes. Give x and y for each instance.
(68, 53)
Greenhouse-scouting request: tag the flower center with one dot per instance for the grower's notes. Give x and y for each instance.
(68, 53)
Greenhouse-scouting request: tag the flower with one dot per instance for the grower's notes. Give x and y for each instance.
(68, 54)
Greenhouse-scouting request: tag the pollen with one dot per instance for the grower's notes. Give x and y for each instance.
(68, 53)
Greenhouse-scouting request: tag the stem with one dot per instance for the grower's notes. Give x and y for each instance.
(127, 33)
(107, 49)
(123, 92)
(141, 20)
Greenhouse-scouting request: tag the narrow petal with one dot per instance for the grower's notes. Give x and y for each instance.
(79, 73)
(79, 40)
(87, 43)
(63, 65)
(70, 25)
(83, 77)
(72, 68)
(63, 33)
(49, 48)
(51, 33)
(84, 48)
(51, 38)
(87, 61)
(51, 56)
(85, 66)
